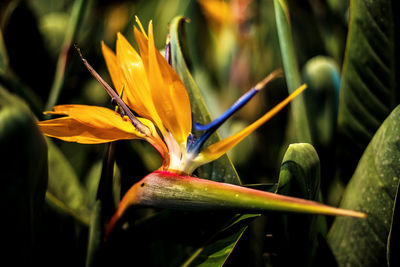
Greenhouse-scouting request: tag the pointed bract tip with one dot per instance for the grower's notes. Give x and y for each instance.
(273, 75)
(140, 26)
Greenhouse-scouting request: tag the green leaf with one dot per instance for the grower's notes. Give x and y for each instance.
(221, 170)
(63, 235)
(368, 89)
(298, 235)
(64, 184)
(74, 24)
(23, 179)
(372, 189)
(95, 236)
(105, 190)
(3, 55)
(33, 69)
(174, 236)
(393, 244)
(217, 250)
(321, 74)
(291, 68)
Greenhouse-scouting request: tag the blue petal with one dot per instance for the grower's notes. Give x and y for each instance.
(214, 125)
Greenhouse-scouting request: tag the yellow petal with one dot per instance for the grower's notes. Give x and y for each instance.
(216, 150)
(113, 68)
(140, 26)
(88, 125)
(217, 12)
(142, 42)
(169, 94)
(133, 73)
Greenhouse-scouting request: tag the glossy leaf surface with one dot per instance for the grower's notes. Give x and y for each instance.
(368, 90)
(372, 189)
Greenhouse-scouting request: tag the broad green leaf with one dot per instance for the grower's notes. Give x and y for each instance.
(221, 170)
(23, 179)
(368, 89)
(298, 235)
(291, 68)
(64, 184)
(372, 189)
(393, 244)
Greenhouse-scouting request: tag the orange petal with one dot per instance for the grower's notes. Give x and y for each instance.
(142, 42)
(216, 150)
(88, 125)
(113, 68)
(169, 94)
(135, 77)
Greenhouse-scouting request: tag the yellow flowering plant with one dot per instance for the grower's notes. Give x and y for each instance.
(146, 180)
(153, 90)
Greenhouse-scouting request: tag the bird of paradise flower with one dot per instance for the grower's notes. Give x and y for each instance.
(153, 90)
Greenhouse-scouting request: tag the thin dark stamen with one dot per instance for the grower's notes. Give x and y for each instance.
(114, 97)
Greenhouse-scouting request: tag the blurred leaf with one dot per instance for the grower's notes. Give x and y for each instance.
(221, 170)
(3, 55)
(105, 190)
(22, 37)
(322, 98)
(368, 89)
(291, 68)
(74, 24)
(23, 179)
(372, 189)
(16, 86)
(95, 236)
(298, 235)
(171, 235)
(217, 250)
(52, 26)
(64, 184)
(63, 236)
(393, 244)
(59, 206)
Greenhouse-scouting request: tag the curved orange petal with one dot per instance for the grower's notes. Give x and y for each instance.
(216, 150)
(88, 125)
(169, 94)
